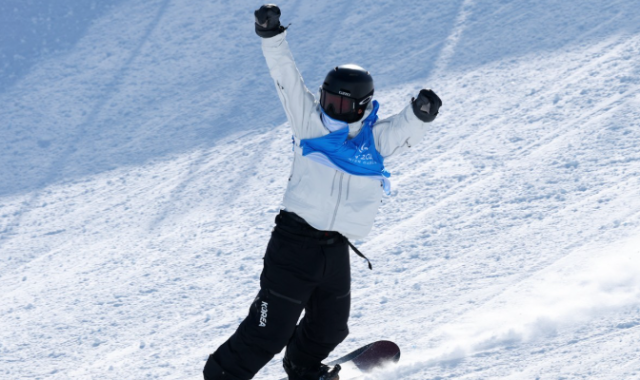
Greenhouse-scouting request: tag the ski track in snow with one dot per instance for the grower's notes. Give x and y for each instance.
(143, 163)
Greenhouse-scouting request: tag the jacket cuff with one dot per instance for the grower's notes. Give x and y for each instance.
(275, 41)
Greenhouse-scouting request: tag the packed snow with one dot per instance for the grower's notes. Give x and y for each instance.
(144, 155)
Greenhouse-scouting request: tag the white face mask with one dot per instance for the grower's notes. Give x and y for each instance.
(332, 124)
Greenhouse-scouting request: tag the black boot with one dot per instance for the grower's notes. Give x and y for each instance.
(322, 372)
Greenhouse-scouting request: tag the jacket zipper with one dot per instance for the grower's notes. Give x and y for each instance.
(335, 212)
(284, 100)
(406, 142)
(333, 183)
(292, 166)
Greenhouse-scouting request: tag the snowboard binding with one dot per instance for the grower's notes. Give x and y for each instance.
(324, 372)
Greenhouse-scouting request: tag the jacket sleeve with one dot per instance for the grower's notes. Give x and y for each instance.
(398, 133)
(298, 102)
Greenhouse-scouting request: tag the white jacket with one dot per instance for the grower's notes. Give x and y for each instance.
(328, 199)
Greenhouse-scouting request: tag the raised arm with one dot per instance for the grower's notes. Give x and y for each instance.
(405, 129)
(297, 100)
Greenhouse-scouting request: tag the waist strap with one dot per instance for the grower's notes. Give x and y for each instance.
(296, 228)
(357, 252)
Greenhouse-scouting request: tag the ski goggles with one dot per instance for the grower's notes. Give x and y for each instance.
(341, 104)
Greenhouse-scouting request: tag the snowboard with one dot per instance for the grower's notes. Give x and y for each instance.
(366, 358)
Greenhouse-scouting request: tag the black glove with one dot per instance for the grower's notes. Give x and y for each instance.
(268, 21)
(426, 106)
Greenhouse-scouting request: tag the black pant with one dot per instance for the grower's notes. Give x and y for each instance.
(304, 269)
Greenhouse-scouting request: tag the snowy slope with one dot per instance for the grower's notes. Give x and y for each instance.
(144, 153)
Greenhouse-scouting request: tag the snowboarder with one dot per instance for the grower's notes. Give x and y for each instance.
(333, 194)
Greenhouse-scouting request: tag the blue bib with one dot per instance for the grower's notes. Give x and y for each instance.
(357, 156)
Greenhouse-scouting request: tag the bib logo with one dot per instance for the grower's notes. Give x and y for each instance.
(263, 314)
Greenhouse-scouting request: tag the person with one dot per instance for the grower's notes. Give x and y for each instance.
(333, 194)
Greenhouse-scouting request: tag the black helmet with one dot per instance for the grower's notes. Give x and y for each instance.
(345, 93)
